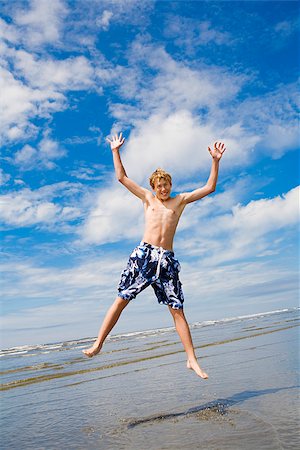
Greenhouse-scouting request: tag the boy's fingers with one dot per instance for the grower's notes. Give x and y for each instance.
(109, 140)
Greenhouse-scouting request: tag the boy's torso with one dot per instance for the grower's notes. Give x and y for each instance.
(161, 219)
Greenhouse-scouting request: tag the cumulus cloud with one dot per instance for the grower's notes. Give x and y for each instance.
(34, 86)
(43, 156)
(172, 85)
(41, 23)
(103, 20)
(27, 207)
(262, 216)
(4, 177)
(265, 124)
(116, 215)
(179, 143)
(280, 138)
(243, 232)
(69, 74)
(19, 104)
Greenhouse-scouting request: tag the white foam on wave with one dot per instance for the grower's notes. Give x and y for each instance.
(141, 334)
(245, 317)
(25, 349)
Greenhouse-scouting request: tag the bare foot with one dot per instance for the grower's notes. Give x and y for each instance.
(92, 351)
(195, 366)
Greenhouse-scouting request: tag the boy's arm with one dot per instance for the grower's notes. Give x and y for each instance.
(210, 186)
(115, 144)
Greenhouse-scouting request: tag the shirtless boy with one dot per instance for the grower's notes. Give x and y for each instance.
(153, 262)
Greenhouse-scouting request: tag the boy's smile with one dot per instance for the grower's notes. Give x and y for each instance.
(162, 189)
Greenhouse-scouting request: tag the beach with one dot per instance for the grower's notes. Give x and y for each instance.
(138, 393)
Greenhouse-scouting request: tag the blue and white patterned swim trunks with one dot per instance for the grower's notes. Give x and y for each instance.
(155, 266)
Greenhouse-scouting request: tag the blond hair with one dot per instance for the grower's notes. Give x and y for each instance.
(159, 174)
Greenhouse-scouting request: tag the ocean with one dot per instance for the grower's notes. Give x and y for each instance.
(138, 394)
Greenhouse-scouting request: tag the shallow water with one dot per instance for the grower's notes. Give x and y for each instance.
(138, 393)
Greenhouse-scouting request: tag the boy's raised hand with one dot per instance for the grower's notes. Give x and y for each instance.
(217, 151)
(116, 142)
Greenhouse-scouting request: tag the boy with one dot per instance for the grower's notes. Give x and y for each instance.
(153, 262)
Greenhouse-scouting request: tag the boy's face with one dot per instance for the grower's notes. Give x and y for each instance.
(162, 189)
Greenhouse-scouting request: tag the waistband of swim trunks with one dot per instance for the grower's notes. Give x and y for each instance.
(151, 246)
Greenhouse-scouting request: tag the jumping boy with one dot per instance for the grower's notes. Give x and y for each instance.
(153, 261)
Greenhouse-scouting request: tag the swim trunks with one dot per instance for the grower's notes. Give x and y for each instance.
(155, 266)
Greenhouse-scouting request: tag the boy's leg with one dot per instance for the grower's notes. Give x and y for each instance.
(108, 323)
(183, 330)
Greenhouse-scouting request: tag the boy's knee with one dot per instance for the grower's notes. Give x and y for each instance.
(176, 312)
(121, 302)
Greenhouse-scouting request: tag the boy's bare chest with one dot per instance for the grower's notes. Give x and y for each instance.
(158, 212)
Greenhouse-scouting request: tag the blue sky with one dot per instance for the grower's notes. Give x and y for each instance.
(174, 77)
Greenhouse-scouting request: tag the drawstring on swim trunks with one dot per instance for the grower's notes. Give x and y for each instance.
(161, 252)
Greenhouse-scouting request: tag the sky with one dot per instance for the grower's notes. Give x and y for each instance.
(174, 77)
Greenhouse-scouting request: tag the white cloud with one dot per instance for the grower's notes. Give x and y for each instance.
(4, 177)
(34, 87)
(26, 207)
(93, 172)
(286, 28)
(179, 143)
(104, 20)
(181, 110)
(262, 216)
(26, 157)
(265, 124)
(50, 150)
(43, 156)
(173, 85)
(117, 215)
(256, 229)
(274, 118)
(191, 34)
(8, 32)
(209, 34)
(19, 104)
(281, 137)
(42, 23)
(19, 211)
(74, 73)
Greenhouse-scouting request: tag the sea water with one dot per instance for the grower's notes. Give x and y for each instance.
(138, 393)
